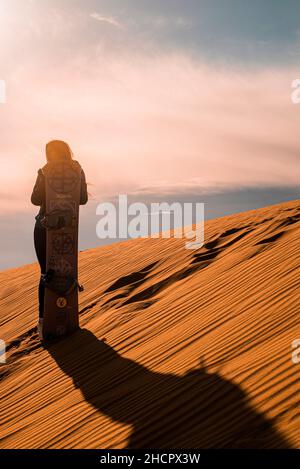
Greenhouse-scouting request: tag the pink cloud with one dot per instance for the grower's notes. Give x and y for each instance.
(150, 121)
(107, 19)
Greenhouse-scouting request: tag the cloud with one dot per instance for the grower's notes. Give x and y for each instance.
(139, 119)
(177, 22)
(157, 22)
(153, 123)
(107, 19)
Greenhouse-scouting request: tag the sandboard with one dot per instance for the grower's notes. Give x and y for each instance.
(62, 181)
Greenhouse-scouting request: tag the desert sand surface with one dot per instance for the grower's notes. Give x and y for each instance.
(178, 348)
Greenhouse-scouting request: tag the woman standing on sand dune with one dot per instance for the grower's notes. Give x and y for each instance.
(57, 151)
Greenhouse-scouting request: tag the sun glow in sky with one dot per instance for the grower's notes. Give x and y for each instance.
(153, 97)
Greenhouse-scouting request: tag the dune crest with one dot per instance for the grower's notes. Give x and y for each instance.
(178, 348)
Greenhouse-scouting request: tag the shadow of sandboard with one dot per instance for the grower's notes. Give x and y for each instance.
(194, 410)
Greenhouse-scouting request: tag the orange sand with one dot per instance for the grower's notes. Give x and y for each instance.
(178, 348)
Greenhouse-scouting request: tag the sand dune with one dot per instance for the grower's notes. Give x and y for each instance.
(178, 348)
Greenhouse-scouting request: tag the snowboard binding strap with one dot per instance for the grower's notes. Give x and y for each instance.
(58, 219)
(61, 284)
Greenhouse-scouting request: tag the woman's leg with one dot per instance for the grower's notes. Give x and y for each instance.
(40, 249)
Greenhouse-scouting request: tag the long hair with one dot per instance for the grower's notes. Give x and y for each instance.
(57, 150)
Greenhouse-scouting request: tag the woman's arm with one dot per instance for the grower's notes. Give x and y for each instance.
(38, 193)
(83, 190)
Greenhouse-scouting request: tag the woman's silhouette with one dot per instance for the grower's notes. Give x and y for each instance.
(56, 151)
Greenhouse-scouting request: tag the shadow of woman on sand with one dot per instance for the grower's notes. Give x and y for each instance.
(194, 410)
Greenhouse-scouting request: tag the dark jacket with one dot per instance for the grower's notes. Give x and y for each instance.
(38, 196)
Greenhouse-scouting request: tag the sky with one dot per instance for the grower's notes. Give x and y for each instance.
(160, 99)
